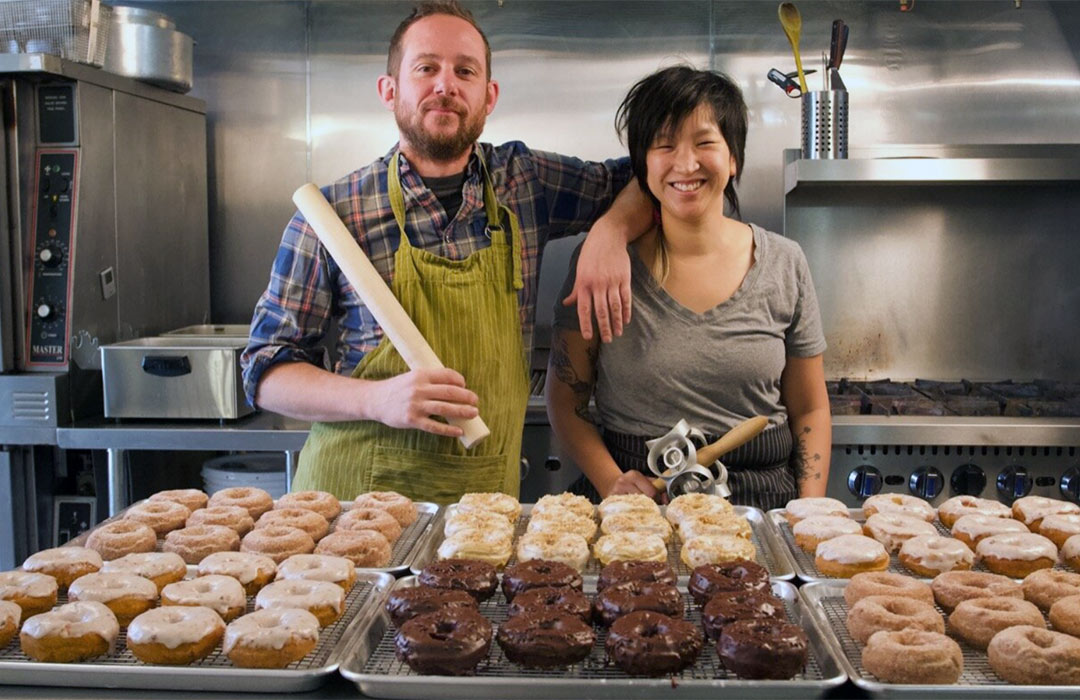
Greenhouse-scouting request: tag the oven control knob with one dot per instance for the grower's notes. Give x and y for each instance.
(926, 482)
(50, 257)
(45, 311)
(1070, 484)
(967, 480)
(864, 481)
(1013, 482)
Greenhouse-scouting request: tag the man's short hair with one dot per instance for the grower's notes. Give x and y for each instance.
(427, 9)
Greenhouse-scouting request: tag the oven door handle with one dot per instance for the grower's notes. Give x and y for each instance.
(166, 365)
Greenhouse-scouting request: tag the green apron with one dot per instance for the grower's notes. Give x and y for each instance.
(467, 310)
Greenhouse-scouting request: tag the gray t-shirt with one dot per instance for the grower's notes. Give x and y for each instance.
(713, 369)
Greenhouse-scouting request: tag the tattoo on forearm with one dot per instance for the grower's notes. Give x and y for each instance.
(564, 371)
(804, 465)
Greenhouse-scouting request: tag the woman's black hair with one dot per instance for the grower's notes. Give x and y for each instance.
(659, 103)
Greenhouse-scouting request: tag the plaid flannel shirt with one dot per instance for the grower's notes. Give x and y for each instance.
(552, 196)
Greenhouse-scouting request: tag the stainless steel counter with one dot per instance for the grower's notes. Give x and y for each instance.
(335, 687)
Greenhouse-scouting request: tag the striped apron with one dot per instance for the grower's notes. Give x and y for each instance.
(467, 310)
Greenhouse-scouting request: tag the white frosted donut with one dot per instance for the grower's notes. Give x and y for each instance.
(629, 546)
(1030, 510)
(160, 567)
(323, 599)
(972, 528)
(637, 522)
(716, 549)
(491, 546)
(900, 504)
(958, 506)
(691, 505)
(65, 564)
(174, 625)
(622, 503)
(714, 523)
(565, 547)
(936, 554)
(318, 567)
(222, 594)
(271, 638)
(801, 508)
(245, 567)
(105, 587)
(73, 620)
(893, 529)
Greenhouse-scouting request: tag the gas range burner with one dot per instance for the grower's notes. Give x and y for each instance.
(924, 397)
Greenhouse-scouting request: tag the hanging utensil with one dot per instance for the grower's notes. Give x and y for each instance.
(791, 21)
(786, 81)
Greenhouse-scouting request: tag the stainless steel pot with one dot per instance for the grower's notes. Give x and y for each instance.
(146, 45)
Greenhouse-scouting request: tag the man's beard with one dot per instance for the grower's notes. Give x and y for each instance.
(439, 147)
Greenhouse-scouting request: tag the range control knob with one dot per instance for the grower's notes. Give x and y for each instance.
(50, 257)
(552, 464)
(1013, 482)
(1070, 484)
(45, 311)
(864, 481)
(926, 482)
(967, 480)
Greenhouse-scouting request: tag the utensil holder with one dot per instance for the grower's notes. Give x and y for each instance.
(825, 124)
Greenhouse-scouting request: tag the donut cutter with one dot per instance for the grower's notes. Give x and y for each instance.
(684, 463)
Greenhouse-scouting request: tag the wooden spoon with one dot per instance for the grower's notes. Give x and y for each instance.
(791, 21)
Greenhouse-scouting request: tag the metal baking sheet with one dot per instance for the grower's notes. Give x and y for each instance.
(413, 538)
(824, 600)
(769, 549)
(122, 670)
(377, 673)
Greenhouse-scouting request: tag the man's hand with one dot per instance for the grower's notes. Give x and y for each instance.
(602, 285)
(415, 398)
(632, 482)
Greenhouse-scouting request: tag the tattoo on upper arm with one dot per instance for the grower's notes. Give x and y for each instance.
(581, 388)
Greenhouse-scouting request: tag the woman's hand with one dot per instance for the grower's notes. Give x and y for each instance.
(632, 482)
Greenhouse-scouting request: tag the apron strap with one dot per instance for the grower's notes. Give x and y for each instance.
(397, 198)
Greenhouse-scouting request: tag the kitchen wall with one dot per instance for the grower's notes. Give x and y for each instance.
(290, 89)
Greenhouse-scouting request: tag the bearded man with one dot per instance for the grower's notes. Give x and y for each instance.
(456, 228)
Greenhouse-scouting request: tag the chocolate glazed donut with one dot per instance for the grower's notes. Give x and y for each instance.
(647, 643)
(619, 599)
(763, 649)
(545, 639)
(725, 608)
(739, 575)
(476, 578)
(564, 600)
(538, 573)
(647, 571)
(406, 603)
(445, 643)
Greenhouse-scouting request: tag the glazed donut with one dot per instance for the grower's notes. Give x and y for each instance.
(556, 519)
(565, 547)
(162, 568)
(648, 571)
(692, 505)
(10, 615)
(253, 571)
(958, 506)
(1046, 586)
(638, 522)
(71, 632)
(127, 595)
(457, 520)
(647, 643)
(232, 517)
(899, 504)
(162, 516)
(309, 521)
(491, 546)
(406, 602)
(812, 531)
(401, 507)
(364, 548)
(977, 620)
(1058, 527)
(802, 508)
(323, 503)
(953, 587)
(627, 502)
(33, 593)
(114, 540)
(270, 638)
(716, 549)
(197, 542)
(626, 597)
(971, 529)
(318, 567)
(569, 501)
(545, 638)
(538, 573)
(913, 656)
(708, 524)
(930, 555)
(628, 546)
(564, 599)
(174, 635)
(1064, 615)
(887, 584)
(324, 600)
(192, 499)
(446, 642)
(709, 580)
(763, 649)
(1027, 655)
(1070, 552)
(476, 578)
(1031, 510)
(375, 519)
(65, 564)
(847, 555)
(254, 500)
(279, 542)
(722, 610)
(222, 594)
(877, 612)
(1016, 555)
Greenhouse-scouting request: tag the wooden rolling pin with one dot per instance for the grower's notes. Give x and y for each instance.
(739, 435)
(382, 303)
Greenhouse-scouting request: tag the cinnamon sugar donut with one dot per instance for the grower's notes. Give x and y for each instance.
(192, 499)
(174, 635)
(253, 571)
(1059, 527)
(65, 564)
(1028, 655)
(323, 599)
(801, 508)
(958, 506)
(370, 519)
(877, 612)
(365, 548)
(323, 503)
(71, 632)
(278, 542)
(847, 555)
(232, 517)
(913, 656)
(318, 567)
(162, 568)
(572, 502)
(127, 595)
(1031, 510)
(271, 638)
(1047, 586)
(10, 615)
(222, 594)
(899, 504)
(563, 547)
(114, 540)
(637, 522)
(199, 541)
(401, 507)
(162, 516)
(692, 505)
(887, 584)
(953, 587)
(254, 501)
(34, 593)
(812, 531)
(1016, 555)
(1064, 615)
(309, 521)
(971, 529)
(930, 555)
(977, 620)
(893, 529)
(627, 546)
